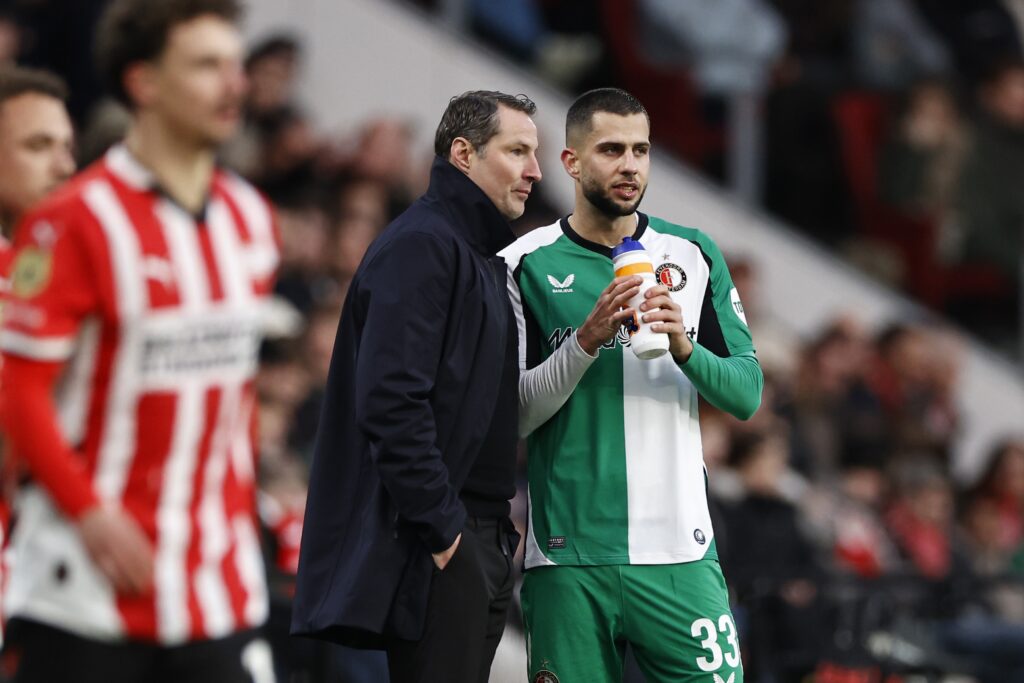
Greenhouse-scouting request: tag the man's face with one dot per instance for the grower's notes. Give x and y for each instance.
(506, 167)
(612, 162)
(197, 84)
(35, 150)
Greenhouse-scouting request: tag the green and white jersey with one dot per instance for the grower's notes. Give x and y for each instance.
(616, 475)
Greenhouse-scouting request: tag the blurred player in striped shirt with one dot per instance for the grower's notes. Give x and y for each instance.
(131, 334)
(36, 139)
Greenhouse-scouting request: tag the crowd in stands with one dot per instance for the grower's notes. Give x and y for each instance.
(892, 129)
(894, 133)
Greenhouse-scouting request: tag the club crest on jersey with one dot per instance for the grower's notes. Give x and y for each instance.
(562, 286)
(545, 676)
(671, 275)
(699, 536)
(31, 272)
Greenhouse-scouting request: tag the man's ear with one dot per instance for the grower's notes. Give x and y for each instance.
(461, 154)
(571, 163)
(140, 82)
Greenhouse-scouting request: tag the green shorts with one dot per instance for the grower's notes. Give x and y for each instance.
(676, 617)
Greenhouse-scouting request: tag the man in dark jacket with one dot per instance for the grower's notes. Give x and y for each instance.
(407, 544)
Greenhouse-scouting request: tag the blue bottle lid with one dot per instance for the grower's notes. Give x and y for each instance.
(628, 244)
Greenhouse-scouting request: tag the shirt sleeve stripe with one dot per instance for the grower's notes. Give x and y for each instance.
(37, 348)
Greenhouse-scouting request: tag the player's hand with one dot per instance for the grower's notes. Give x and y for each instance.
(608, 314)
(667, 318)
(442, 558)
(119, 547)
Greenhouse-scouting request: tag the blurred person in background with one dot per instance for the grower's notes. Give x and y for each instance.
(407, 545)
(913, 377)
(1001, 486)
(271, 68)
(142, 284)
(772, 563)
(919, 165)
(36, 139)
(990, 207)
(964, 620)
(833, 412)
(36, 146)
(618, 502)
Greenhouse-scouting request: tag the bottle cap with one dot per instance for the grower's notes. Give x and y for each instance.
(628, 244)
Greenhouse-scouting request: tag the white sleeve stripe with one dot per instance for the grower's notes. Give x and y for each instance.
(37, 348)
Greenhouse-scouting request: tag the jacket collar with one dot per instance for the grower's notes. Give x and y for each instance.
(473, 214)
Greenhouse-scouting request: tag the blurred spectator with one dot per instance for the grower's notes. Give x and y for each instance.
(893, 45)
(976, 32)
(804, 177)
(1001, 489)
(920, 163)
(819, 39)
(271, 67)
(772, 564)
(847, 521)
(317, 346)
(731, 45)
(990, 208)
(302, 280)
(990, 204)
(991, 559)
(911, 381)
(920, 519)
(519, 27)
(836, 417)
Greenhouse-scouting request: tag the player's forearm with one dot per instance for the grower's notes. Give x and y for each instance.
(30, 421)
(543, 390)
(732, 384)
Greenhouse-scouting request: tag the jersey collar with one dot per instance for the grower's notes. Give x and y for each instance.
(641, 226)
(123, 164)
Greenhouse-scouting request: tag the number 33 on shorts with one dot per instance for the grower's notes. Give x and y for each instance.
(707, 632)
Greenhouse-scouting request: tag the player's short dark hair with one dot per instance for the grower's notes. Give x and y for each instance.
(17, 80)
(132, 31)
(474, 115)
(580, 118)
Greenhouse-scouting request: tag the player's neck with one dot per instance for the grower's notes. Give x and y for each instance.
(183, 170)
(597, 227)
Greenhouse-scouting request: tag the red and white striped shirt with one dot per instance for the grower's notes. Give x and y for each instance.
(154, 318)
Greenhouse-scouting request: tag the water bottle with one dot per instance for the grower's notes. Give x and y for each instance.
(630, 258)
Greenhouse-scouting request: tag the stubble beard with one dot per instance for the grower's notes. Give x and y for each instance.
(602, 201)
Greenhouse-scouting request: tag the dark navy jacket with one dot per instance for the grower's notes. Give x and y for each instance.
(410, 398)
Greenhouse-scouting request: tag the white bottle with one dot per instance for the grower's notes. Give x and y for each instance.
(630, 258)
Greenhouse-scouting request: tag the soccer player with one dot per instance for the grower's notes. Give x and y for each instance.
(35, 142)
(35, 157)
(131, 335)
(620, 547)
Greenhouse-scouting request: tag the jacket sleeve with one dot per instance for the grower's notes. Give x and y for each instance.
(406, 290)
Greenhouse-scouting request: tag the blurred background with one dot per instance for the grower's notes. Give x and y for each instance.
(860, 162)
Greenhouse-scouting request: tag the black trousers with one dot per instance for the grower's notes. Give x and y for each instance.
(466, 611)
(37, 653)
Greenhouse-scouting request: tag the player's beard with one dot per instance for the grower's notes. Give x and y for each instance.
(601, 200)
